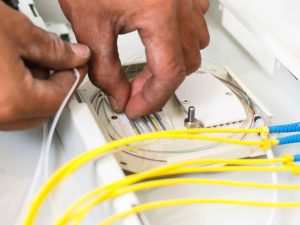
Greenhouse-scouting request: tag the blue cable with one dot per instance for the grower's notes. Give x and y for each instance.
(286, 128)
(289, 139)
(297, 158)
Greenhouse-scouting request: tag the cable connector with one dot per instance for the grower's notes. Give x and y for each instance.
(288, 160)
(296, 170)
(264, 131)
(266, 144)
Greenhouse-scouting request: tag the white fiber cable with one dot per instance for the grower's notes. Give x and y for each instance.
(54, 124)
(42, 167)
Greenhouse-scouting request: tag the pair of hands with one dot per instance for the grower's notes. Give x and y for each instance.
(173, 32)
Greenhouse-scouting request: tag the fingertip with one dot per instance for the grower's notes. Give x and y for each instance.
(135, 110)
(204, 4)
(114, 103)
(82, 51)
(139, 106)
(113, 82)
(154, 95)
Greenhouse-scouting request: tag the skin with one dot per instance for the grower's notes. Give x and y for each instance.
(172, 31)
(28, 94)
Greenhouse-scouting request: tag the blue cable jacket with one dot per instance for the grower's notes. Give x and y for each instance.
(297, 158)
(286, 128)
(289, 139)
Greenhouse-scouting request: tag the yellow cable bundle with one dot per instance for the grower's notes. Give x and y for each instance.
(109, 190)
(178, 202)
(180, 168)
(114, 192)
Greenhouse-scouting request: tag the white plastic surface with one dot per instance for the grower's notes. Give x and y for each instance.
(275, 26)
(215, 103)
(28, 8)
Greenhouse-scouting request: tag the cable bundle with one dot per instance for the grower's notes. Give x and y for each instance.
(136, 182)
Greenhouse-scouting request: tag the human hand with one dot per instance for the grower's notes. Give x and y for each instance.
(28, 94)
(173, 32)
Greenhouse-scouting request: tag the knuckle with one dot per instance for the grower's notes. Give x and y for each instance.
(107, 76)
(177, 71)
(7, 111)
(102, 79)
(193, 65)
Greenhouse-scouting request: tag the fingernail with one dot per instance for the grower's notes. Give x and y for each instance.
(81, 50)
(114, 103)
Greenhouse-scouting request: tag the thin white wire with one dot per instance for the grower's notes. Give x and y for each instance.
(47, 149)
(35, 180)
(274, 180)
(44, 158)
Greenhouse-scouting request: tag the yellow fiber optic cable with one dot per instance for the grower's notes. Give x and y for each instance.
(84, 158)
(231, 169)
(74, 164)
(178, 181)
(180, 202)
(221, 130)
(176, 168)
(286, 160)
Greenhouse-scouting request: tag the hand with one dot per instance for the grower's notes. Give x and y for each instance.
(28, 94)
(173, 32)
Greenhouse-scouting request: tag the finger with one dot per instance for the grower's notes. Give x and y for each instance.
(189, 36)
(46, 96)
(106, 71)
(48, 50)
(165, 64)
(201, 25)
(23, 124)
(204, 5)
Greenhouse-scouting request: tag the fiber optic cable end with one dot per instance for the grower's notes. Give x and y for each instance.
(286, 128)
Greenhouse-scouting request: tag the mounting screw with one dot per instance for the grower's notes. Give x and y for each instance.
(191, 121)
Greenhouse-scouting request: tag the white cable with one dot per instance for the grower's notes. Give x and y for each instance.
(44, 158)
(47, 149)
(274, 180)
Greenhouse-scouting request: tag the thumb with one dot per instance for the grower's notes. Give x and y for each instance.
(50, 51)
